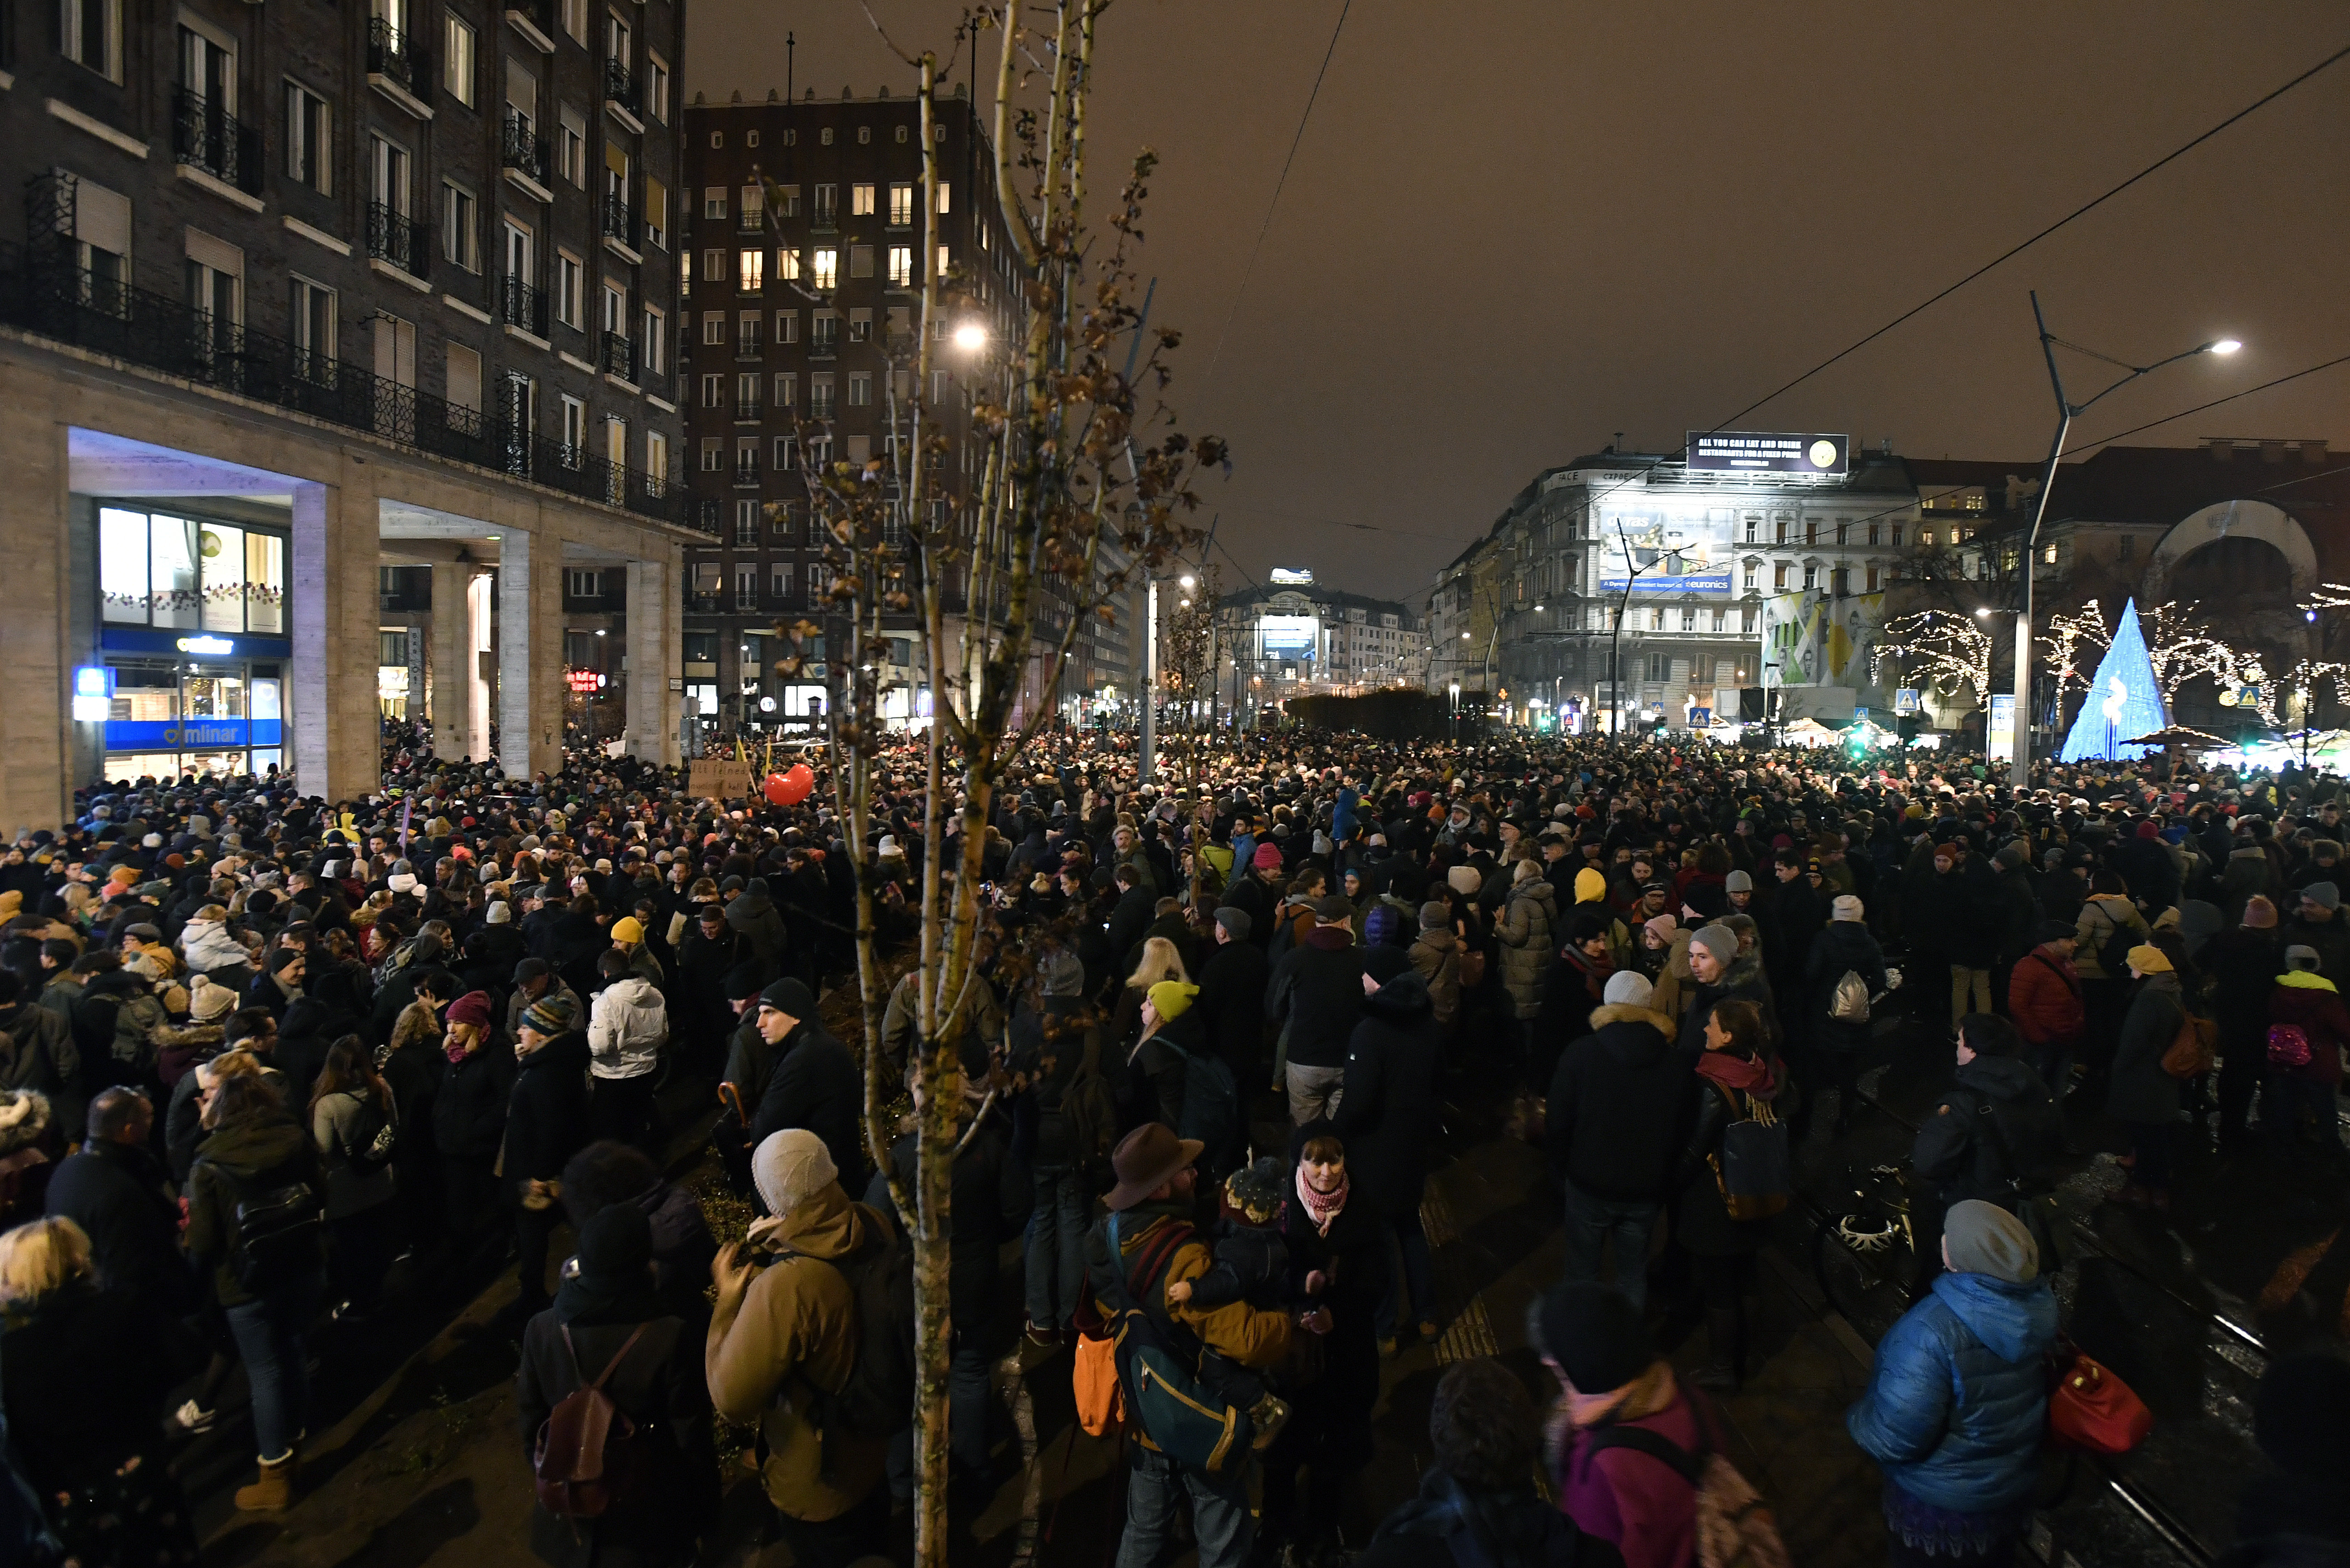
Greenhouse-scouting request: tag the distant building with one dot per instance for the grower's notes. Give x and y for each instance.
(1293, 638)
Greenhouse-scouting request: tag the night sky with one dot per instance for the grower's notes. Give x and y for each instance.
(1514, 229)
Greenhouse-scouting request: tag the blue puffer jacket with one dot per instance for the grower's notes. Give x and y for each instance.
(1957, 1404)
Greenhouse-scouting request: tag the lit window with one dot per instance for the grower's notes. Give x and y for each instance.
(901, 205)
(1926, 537)
(1974, 502)
(788, 266)
(751, 275)
(457, 59)
(901, 266)
(946, 263)
(2048, 555)
(827, 268)
(944, 205)
(860, 201)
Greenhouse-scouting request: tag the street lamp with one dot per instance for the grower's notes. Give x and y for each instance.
(970, 337)
(2019, 774)
(1456, 708)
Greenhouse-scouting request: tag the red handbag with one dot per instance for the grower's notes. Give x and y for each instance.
(2091, 1410)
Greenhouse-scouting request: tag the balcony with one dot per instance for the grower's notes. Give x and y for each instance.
(521, 307)
(205, 137)
(621, 95)
(535, 20)
(620, 228)
(748, 410)
(522, 151)
(42, 292)
(825, 217)
(824, 346)
(399, 240)
(819, 407)
(746, 474)
(619, 357)
(398, 68)
(746, 340)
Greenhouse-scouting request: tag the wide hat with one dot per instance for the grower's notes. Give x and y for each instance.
(1146, 1161)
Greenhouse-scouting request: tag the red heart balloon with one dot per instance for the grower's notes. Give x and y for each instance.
(777, 789)
(798, 782)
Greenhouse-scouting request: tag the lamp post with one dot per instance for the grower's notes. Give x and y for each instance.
(1456, 712)
(2020, 774)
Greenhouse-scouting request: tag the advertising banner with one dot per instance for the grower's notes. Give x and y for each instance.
(1289, 635)
(1767, 451)
(191, 734)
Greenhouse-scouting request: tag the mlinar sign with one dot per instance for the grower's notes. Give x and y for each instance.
(1754, 452)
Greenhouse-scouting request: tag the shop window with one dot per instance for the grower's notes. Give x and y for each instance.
(177, 572)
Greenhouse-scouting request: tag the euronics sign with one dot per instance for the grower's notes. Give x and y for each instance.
(1290, 634)
(1776, 451)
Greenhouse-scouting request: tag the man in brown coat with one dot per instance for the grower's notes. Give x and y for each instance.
(779, 1331)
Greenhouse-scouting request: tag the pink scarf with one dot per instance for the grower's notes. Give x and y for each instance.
(1322, 1208)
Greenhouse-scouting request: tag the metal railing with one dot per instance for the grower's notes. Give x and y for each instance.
(206, 136)
(393, 56)
(746, 472)
(522, 148)
(823, 348)
(539, 13)
(44, 291)
(746, 340)
(621, 85)
(825, 215)
(820, 407)
(396, 237)
(522, 304)
(619, 219)
(621, 357)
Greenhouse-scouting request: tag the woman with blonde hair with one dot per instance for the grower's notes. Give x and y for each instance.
(1161, 959)
(83, 1377)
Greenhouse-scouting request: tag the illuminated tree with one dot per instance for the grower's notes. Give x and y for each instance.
(1947, 648)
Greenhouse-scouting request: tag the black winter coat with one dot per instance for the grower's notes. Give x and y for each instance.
(815, 1084)
(1841, 946)
(83, 1377)
(992, 1195)
(1700, 1221)
(1620, 1104)
(546, 1110)
(122, 1196)
(1318, 991)
(1232, 1004)
(468, 1109)
(1388, 1103)
(1980, 1138)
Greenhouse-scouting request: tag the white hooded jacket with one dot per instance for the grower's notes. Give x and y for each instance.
(627, 1028)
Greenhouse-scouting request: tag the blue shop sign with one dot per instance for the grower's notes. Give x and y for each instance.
(191, 734)
(192, 644)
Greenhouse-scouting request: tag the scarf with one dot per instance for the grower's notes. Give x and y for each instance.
(454, 1050)
(1323, 1209)
(1644, 1395)
(1595, 971)
(1731, 1072)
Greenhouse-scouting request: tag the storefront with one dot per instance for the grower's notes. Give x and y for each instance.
(192, 646)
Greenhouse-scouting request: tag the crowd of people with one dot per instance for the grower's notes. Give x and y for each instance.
(272, 1068)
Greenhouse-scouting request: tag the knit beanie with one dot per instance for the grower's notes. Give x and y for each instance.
(1628, 988)
(2324, 895)
(1844, 908)
(1985, 1239)
(473, 1007)
(1736, 882)
(2147, 958)
(2259, 913)
(1594, 1333)
(207, 1001)
(1434, 916)
(1590, 887)
(550, 1015)
(1718, 939)
(1464, 879)
(1258, 1192)
(790, 1168)
(616, 1248)
(1267, 857)
(1660, 927)
(1172, 999)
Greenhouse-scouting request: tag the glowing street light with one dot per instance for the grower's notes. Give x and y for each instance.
(970, 337)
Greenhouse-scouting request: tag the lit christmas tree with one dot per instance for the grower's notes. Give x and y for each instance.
(2125, 699)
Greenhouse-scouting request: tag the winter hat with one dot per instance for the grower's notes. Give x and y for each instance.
(1738, 882)
(790, 1168)
(1985, 1239)
(1844, 908)
(550, 1015)
(628, 929)
(207, 1001)
(1592, 1333)
(1384, 963)
(789, 997)
(2305, 959)
(2324, 895)
(1063, 974)
(1718, 939)
(1434, 916)
(1173, 998)
(1257, 1193)
(2147, 958)
(1464, 879)
(616, 1249)
(284, 957)
(2147, 829)
(2054, 932)
(2259, 913)
(473, 1007)
(2011, 857)
(2301, 1414)
(1628, 988)
(1235, 922)
(1591, 887)
(1267, 857)
(499, 913)
(1660, 926)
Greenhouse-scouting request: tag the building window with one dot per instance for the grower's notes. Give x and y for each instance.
(1897, 534)
(746, 395)
(944, 205)
(787, 327)
(860, 201)
(860, 261)
(196, 575)
(656, 213)
(779, 583)
(746, 525)
(656, 461)
(901, 266)
(574, 432)
(1844, 530)
(457, 59)
(582, 583)
(1779, 530)
(1661, 666)
(1779, 578)
(1720, 618)
(460, 231)
(819, 396)
(901, 205)
(571, 150)
(656, 342)
(746, 461)
(861, 325)
(2129, 545)
(574, 20)
(713, 455)
(1811, 531)
(860, 390)
(1811, 578)
(657, 88)
(746, 333)
(1872, 579)
(786, 451)
(787, 201)
(388, 165)
(827, 268)
(713, 326)
(314, 328)
(787, 265)
(2048, 555)
(946, 263)
(713, 203)
(713, 389)
(827, 198)
(1748, 584)
(1925, 538)
(1975, 502)
(309, 139)
(91, 35)
(787, 387)
(713, 266)
(570, 290)
(1753, 527)
(751, 271)
(1689, 617)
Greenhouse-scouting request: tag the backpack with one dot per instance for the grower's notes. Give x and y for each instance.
(278, 1227)
(1157, 1366)
(588, 1457)
(1211, 1098)
(878, 1401)
(1755, 1169)
(2193, 1049)
(2113, 953)
(1089, 1110)
(2288, 1046)
(1850, 1003)
(1735, 1527)
(2029, 1136)
(373, 1139)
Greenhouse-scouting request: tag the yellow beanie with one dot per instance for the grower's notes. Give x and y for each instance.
(2147, 958)
(628, 929)
(1590, 887)
(1173, 998)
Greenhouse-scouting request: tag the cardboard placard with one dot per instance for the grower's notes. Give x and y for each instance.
(718, 778)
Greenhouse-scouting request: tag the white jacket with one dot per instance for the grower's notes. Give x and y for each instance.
(627, 1029)
(209, 946)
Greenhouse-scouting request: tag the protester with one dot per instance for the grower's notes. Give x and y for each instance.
(1738, 1080)
(1609, 1376)
(1618, 1118)
(2142, 1096)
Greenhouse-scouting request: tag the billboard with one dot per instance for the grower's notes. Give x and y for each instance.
(1290, 576)
(1667, 554)
(1289, 635)
(1817, 638)
(1773, 452)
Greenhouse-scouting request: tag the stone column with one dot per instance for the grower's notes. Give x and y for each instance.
(335, 735)
(530, 649)
(655, 645)
(37, 547)
(460, 716)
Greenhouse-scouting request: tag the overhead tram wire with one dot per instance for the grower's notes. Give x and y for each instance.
(1249, 271)
(2009, 255)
